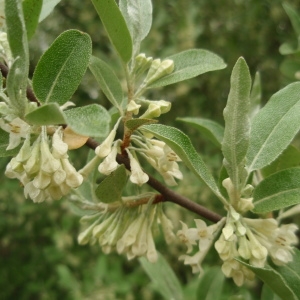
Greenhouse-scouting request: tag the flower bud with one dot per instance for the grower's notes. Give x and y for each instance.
(133, 107)
(166, 67)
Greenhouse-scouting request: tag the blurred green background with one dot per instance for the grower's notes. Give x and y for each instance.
(39, 254)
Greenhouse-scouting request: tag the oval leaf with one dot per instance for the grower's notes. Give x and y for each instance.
(91, 120)
(111, 188)
(134, 124)
(138, 16)
(210, 129)
(108, 81)
(277, 191)
(48, 114)
(274, 127)
(189, 64)
(237, 123)
(181, 144)
(115, 27)
(31, 9)
(60, 69)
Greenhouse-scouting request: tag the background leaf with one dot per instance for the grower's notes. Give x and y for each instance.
(91, 120)
(189, 64)
(31, 9)
(163, 278)
(17, 38)
(4, 141)
(138, 16)
(108, 81)
(255, 95)
(181, 144)
(210, 129)
(284, 280)
(111, 188)
(289, 158)
(237, 124)
(274, 127)
(60, 69)
(211, 285)
(277, 191)
(47, 8)
(115, 26)
(48, 114)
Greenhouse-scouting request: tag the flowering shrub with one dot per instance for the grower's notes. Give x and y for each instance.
(39, 127)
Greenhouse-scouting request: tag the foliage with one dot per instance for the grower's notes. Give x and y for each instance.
(253, 230)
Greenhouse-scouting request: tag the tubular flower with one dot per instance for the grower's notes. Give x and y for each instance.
(162, 158)
(45, 173)
(127, 230)
(202, 234)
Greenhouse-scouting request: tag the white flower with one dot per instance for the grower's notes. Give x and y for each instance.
(194, 261)
(188, 236)
(138, 176)
(205, 234)
(133, 107)
(105, 147)
(45, 175)
(17, 129)
(109, 164)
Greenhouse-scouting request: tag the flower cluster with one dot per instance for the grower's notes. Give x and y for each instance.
(253, 240)
(127, 230)
(45, 173)
(202, 236)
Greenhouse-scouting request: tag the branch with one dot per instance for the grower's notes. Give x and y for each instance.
(168, 194)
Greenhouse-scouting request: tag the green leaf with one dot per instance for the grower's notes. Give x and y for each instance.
(210, 129)
(115, 26)
(134, 124)
(181, 144)
(108, 81)
(268, 294)
(277, 191)
(284, 280)
(290, 68)
(294, 17)
(138, 16)
(110, 189)
(211, 285)
(48, 6)
(16, 85)
(274, 127)
(4, 141)
(91, 120)
(189, 64)
(17, 38)
(48, 114)
(237, 124)
(60, 69)
(289, 158)
(163, 278)
(255, 96)
(31, 9)
(290, 273)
